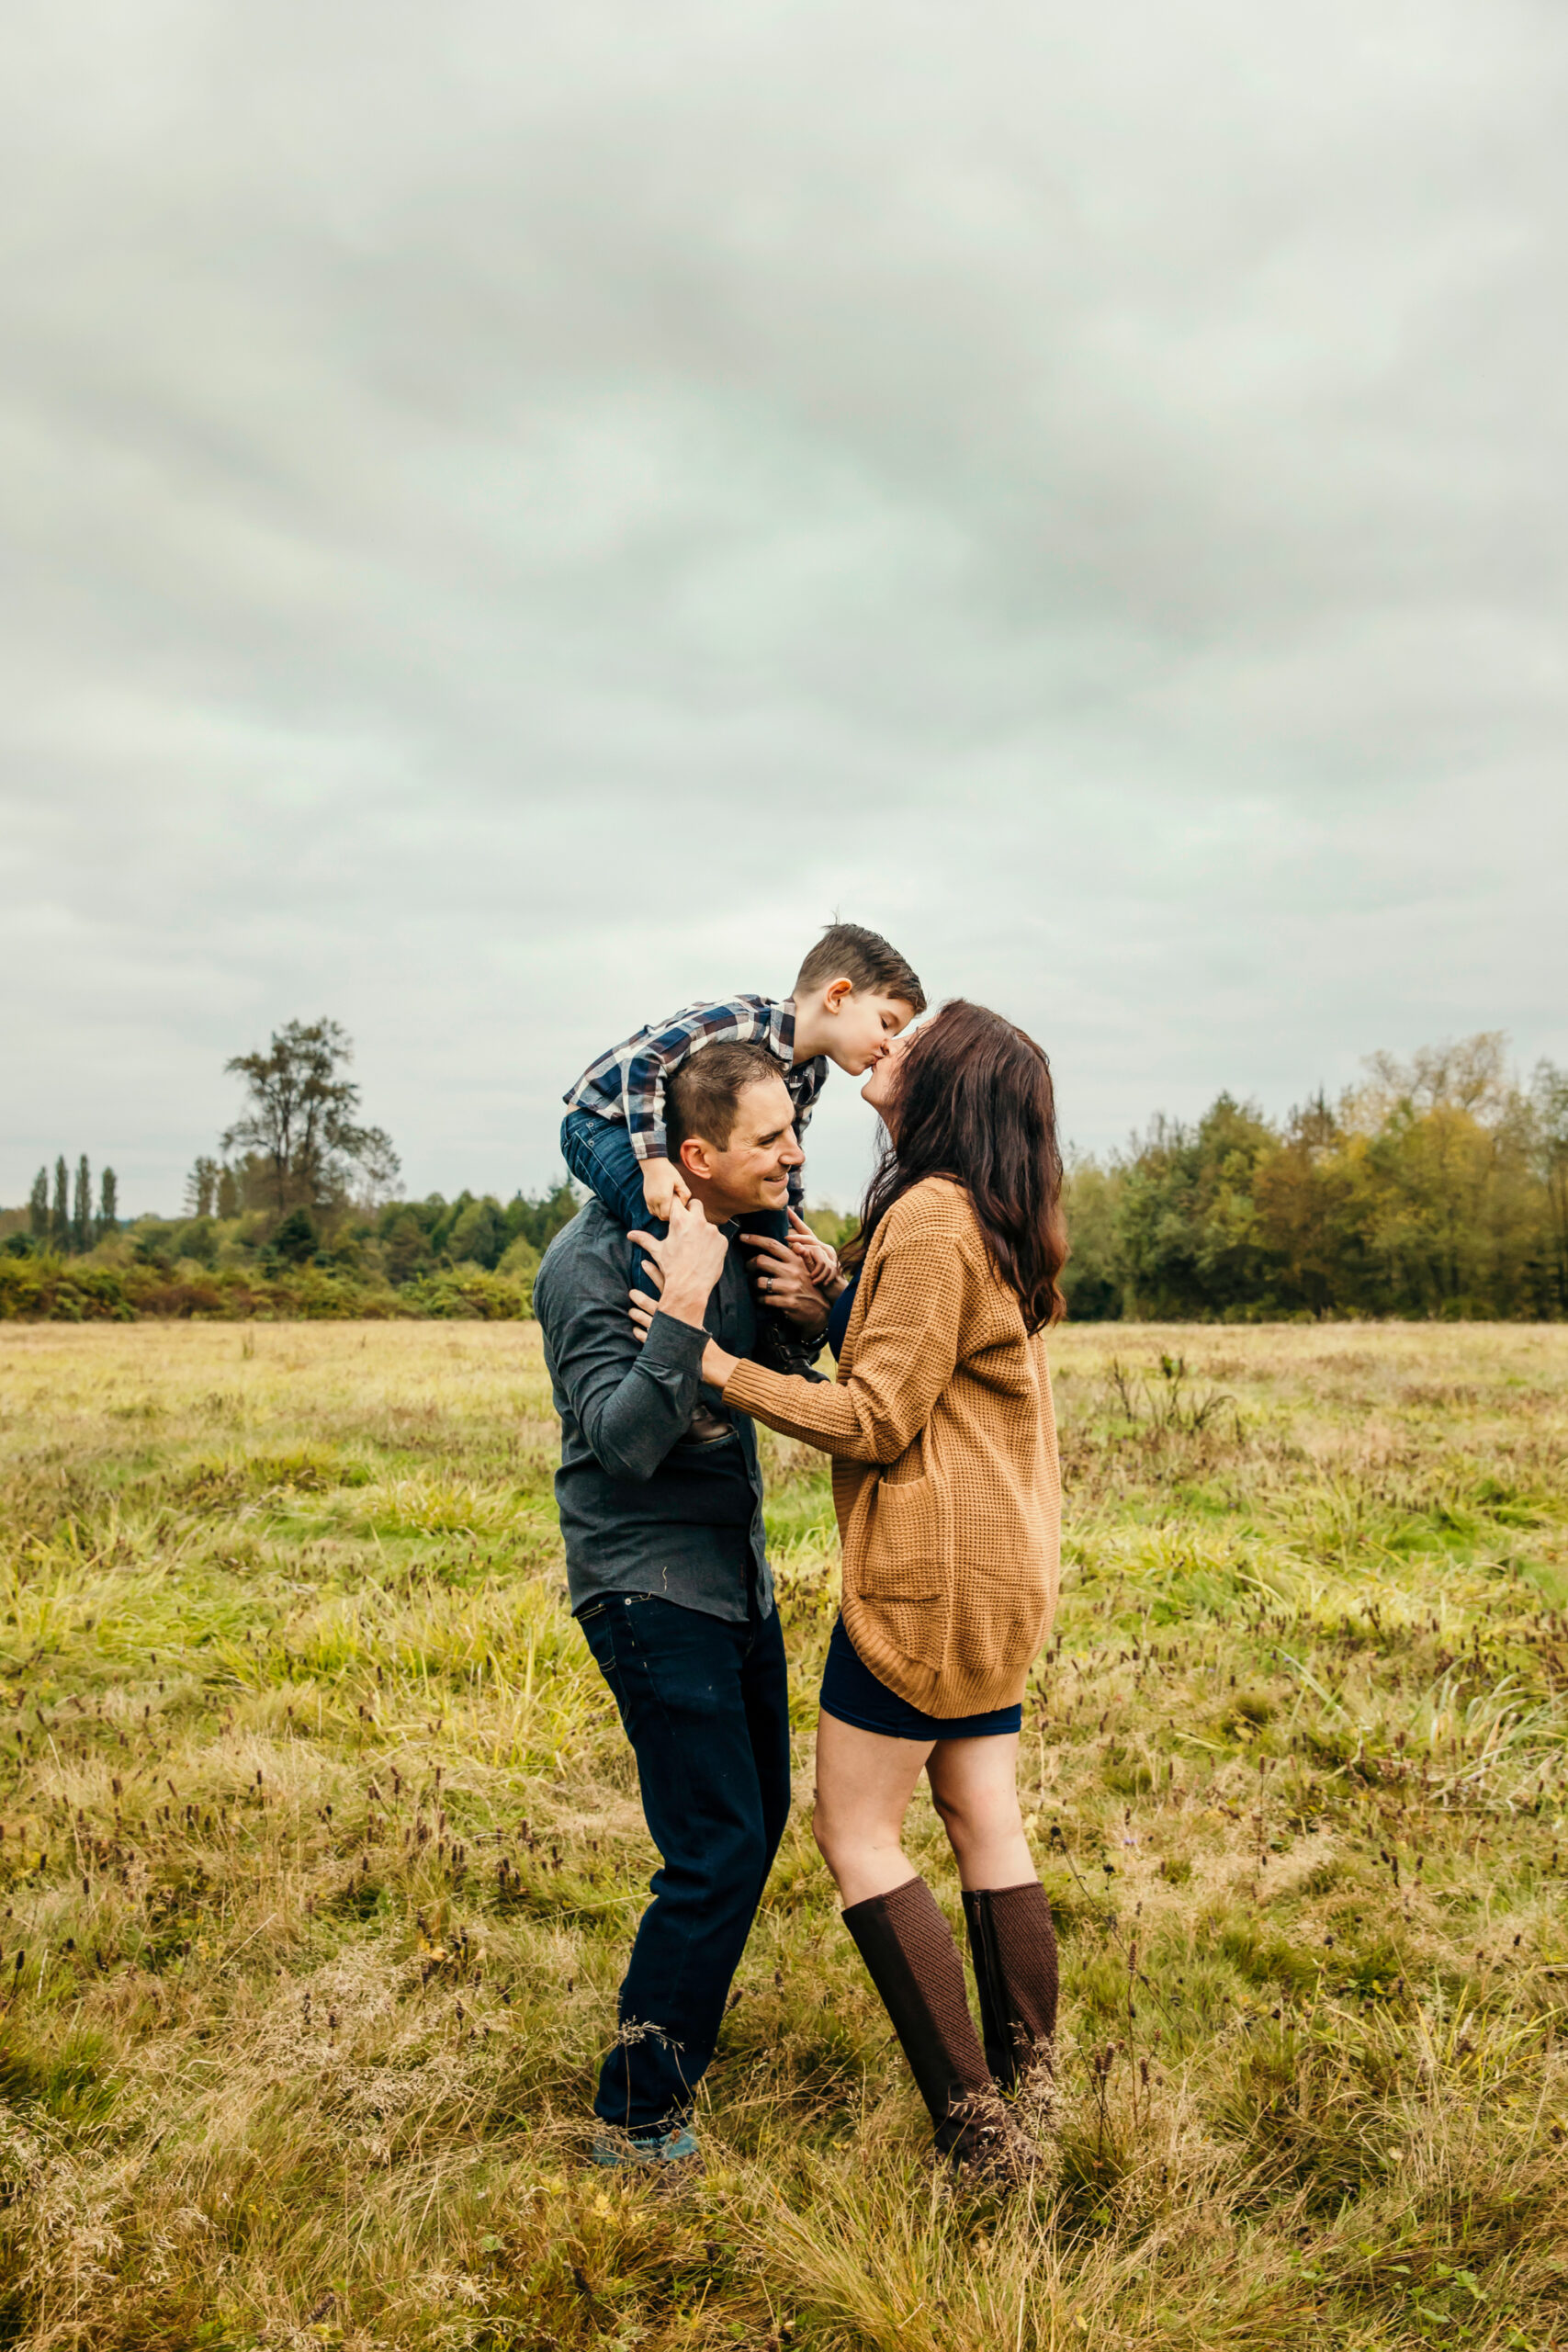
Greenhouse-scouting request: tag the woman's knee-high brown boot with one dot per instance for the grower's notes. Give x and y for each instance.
(1013, 1943)
(913, 1962)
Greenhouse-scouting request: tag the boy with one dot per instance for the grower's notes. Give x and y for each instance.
(851, 997)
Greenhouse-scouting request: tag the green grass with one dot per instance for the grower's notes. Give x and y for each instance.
(321, 1853)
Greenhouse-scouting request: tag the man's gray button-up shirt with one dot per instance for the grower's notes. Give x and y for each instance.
(641, 1508)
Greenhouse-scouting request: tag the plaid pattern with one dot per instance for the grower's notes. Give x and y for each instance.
(628, 1083)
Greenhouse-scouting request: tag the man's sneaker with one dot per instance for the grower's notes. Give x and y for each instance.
(618, 2152)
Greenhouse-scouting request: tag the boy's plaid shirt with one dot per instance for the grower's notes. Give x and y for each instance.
(628, 1083)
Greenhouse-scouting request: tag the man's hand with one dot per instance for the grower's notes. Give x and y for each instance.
(783, 1284)
(662, 1184)
(717, 1367)
(690, 1260)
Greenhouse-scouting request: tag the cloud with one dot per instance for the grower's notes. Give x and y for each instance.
(514, 515)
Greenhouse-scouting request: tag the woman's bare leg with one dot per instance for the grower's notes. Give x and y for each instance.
(975, 1789)
(864, 1781)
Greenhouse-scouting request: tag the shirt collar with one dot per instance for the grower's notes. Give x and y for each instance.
(781, 1030)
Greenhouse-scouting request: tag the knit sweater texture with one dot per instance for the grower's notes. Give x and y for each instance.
(946, 1475)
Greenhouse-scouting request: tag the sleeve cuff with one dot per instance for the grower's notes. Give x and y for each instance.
(670, 1341)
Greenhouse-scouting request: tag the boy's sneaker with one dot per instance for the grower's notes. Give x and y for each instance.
(673, 2155)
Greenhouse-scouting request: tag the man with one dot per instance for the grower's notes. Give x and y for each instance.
(662, 1517)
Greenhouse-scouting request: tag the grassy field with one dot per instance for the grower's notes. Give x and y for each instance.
(322, 1852)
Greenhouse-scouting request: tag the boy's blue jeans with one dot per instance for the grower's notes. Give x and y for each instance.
(598, 1154)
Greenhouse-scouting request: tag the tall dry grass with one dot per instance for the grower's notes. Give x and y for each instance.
(321, 1853)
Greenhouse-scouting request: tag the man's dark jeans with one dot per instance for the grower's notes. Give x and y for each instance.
(599, 1153)
(705, 1706)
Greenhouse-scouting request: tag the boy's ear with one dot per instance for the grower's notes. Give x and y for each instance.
(837, 993)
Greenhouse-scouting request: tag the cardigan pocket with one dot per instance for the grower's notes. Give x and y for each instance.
(904, 1548)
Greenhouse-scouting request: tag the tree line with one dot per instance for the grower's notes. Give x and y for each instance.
(299, 1180)
(397, 1241)
(1438, 1186)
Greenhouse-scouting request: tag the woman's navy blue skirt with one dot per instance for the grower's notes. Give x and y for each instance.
(851, 1693)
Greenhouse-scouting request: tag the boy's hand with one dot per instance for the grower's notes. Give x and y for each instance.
(821, 1261)
(662, 1184)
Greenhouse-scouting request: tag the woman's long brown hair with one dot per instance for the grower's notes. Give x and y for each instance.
(976, 1103)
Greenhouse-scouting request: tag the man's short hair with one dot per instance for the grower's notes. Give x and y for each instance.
(703, 1095)
(847, 951)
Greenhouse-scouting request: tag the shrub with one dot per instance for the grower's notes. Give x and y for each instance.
(521, 1261)
(468, 1291)
(50, 1290)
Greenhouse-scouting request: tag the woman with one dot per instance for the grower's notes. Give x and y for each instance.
(946, 1488)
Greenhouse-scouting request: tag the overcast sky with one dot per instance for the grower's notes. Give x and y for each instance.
(515, 515)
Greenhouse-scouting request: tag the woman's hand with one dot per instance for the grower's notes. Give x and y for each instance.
(783, 1284)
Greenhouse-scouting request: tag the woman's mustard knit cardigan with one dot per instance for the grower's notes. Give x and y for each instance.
(945, 1476)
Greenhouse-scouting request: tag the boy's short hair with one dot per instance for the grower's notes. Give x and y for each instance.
(703, 1094)
(847, 951)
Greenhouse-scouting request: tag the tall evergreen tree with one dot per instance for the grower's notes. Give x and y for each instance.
(1549, 1094)
(60, 1224)
(202, 1187)
(81, 1207)
(38, 1207)
(109, 1203)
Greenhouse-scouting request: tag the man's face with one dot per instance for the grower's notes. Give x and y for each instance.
(752, 1171)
